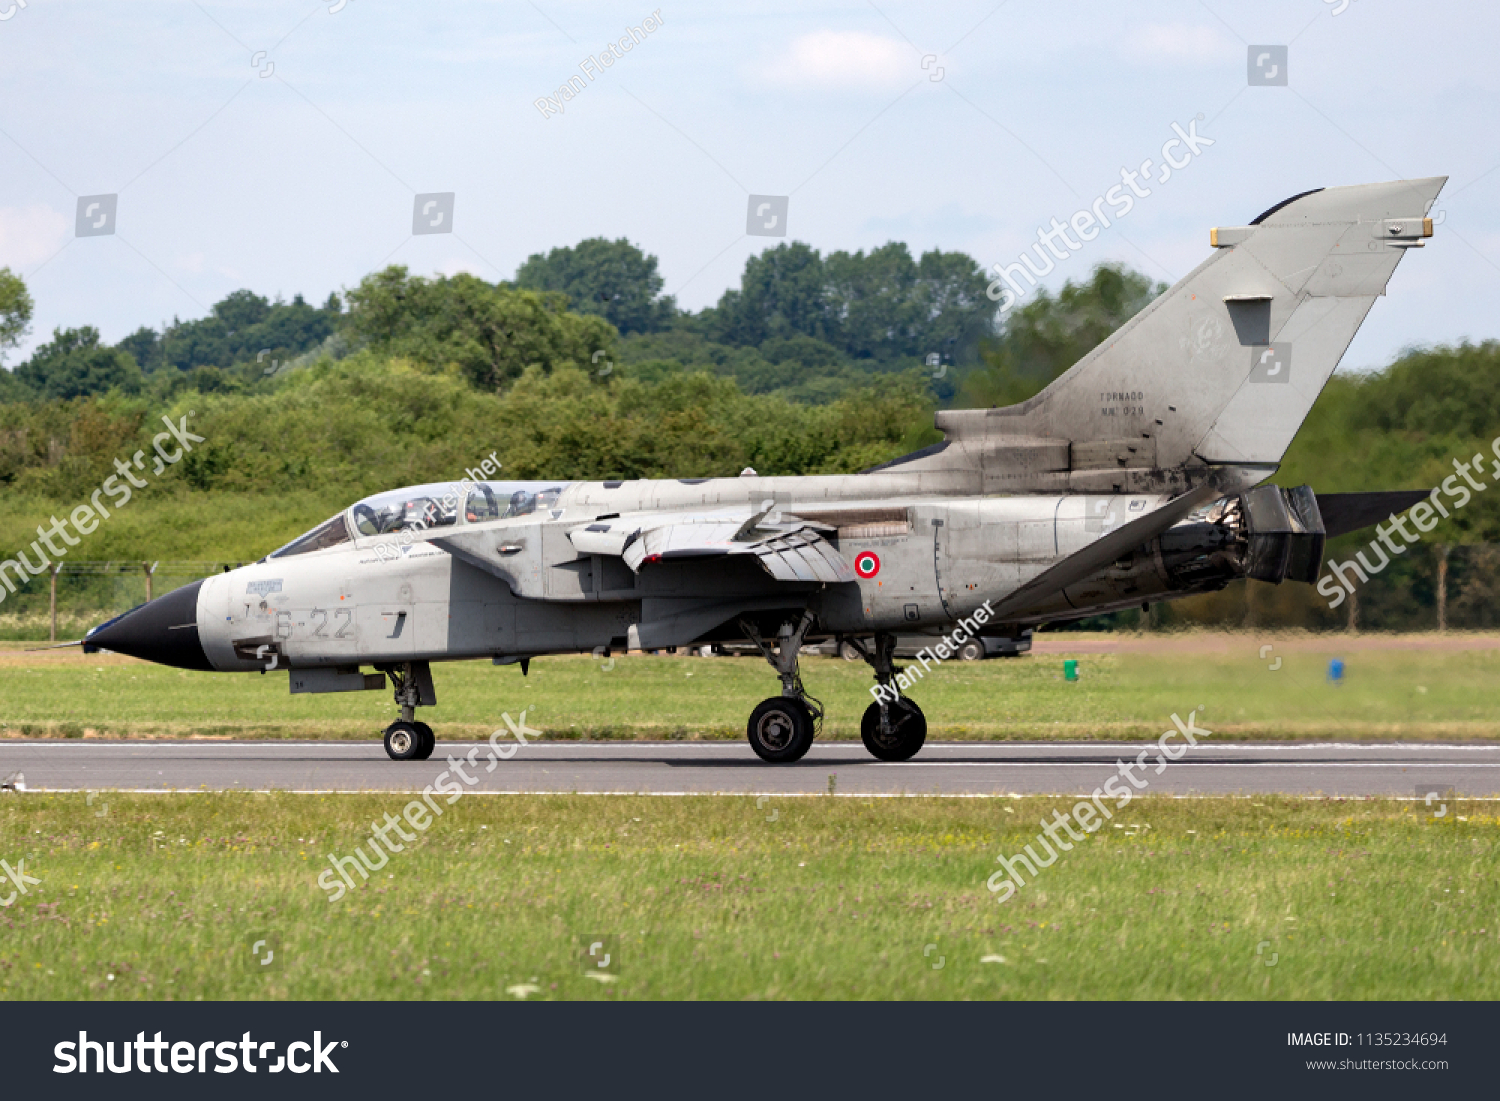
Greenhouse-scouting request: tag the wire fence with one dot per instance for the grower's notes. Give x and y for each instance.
(103, 588)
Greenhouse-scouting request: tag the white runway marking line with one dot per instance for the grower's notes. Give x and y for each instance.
(1185, 796)
(852, 747)
(735, 743)
(1190, 764)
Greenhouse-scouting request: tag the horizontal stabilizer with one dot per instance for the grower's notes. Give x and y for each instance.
(1346, 512)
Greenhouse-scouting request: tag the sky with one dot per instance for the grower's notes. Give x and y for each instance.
(283, 145)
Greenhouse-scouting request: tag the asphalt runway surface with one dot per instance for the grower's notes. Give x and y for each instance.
(674, 768)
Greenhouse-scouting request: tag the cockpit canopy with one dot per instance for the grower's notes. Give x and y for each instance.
(421, 508)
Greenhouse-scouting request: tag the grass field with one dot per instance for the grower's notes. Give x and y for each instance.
(161, 897)
(1408, 690)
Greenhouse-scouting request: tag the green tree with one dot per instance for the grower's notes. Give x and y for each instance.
(957, 315)
(1049, 334)
(781, 294)
(242, 328)
(882, 305)
(492, 334)
(145, 347)
(11, 388)
(74, 364)
(873, 311)
(15, 311)
(611, 279)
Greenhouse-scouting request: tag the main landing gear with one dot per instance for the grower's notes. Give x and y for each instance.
(782, 728)
(893, 728)
(407, 739)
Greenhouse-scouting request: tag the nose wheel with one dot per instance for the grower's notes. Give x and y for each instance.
(403, 742)
(407, 739)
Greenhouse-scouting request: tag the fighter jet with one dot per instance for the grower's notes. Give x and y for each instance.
(1139, 475)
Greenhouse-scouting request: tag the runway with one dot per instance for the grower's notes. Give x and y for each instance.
(680, 768)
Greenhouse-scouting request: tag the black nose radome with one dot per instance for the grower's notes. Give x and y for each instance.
(164, 630)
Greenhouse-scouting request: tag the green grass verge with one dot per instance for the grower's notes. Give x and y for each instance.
(721, 897)
(1408, 694)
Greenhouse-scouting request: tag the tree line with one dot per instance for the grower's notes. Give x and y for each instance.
(800, 322)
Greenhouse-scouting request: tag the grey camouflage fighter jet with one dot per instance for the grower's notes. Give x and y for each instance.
(1137, 476)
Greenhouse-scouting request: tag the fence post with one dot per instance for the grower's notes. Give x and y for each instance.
(1354, 611)
(52, 603)
(150, 569)
(1442, 586)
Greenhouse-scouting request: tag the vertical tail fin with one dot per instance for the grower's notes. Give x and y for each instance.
(1223, 368)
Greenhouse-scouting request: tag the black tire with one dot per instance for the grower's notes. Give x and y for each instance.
(973, 650)
(907, 732)
(780, 730)
(429, 741)
(403, 742)
(849, 652)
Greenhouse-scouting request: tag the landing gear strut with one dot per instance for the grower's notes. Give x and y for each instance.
(407, 739)
(782, 728)
(893, 728)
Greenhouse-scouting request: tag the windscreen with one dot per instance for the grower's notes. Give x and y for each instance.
(330, 533)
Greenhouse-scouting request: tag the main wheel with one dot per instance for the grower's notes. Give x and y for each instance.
(429, 741)
(903, 735)
(403, 742)
(849, 652)
(973, 650)
(780, 730)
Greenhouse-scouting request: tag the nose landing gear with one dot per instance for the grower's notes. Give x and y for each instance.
(407, 739)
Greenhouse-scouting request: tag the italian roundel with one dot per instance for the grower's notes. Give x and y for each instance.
(867, 564)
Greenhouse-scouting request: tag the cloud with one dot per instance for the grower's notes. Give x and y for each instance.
(1177, 44)
(29, 235)
(453, 265)
(846, 60)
